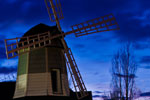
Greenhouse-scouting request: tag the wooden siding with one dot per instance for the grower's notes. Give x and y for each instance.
(37, 61)
(38, 81)
(55, 58)
(22, 64)
(49, 84)
(21, 86)
(65, 85)
(40, 84)
(37, 84)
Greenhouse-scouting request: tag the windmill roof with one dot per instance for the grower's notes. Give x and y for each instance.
(41, 28)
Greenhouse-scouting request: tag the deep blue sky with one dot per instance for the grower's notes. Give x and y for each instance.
(93, 53)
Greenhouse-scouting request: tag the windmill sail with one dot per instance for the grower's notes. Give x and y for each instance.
(29, 43)
(50, 4)
(101, 24)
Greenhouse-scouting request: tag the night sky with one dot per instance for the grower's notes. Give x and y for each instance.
(93, 53)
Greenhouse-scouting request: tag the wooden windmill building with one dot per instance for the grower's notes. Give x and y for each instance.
(44, 55)
(43, 72)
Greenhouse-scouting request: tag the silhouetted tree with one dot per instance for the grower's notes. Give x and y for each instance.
(123, 73)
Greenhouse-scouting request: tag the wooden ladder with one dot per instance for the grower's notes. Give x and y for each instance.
(82, 89)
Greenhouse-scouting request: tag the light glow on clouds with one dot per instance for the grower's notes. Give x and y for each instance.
(8, 77)
(143, 78)
(144, 17)
(9, 63)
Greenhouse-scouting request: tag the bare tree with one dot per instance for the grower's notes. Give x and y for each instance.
(123, 73)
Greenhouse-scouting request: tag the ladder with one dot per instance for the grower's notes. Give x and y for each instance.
(74, 74)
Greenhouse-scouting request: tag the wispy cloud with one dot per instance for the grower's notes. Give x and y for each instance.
(141, 46)
(95, 96)
(2, 52)
(6, 70)
(145, 67)
(9, 63)
(98, 92)
(145, 59)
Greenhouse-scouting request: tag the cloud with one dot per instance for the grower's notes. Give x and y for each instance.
(132, 17)
(2, 47)
(2, 53)
(5, 70)
(131, 29)
(22, 12)
(1, 42)
(9, 63)
(98, 96)
(128, 16)
(144, 4)
(95, 96)
(145, 59)
(145, 67)
(79, 46)
(6, 77)
(96, 73)
(97, 92)
(11, 1)
(144, 16)
(141, 46)
(2, 37)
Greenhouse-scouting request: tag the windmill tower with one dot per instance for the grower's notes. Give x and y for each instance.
(44, 56)
(42, 72)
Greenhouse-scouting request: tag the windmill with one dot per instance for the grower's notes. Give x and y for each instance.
(33, 47)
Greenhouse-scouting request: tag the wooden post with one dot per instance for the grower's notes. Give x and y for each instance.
(49, 35)
(17, 45)
(39, 40)
(23, 45)
(6, 48)
(28, 42)
(12, 49)
(34, 44)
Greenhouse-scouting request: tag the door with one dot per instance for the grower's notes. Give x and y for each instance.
(56, 81)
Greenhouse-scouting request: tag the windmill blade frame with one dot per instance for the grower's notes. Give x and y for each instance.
(58, 10)
(101, 24)
(26, 44)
